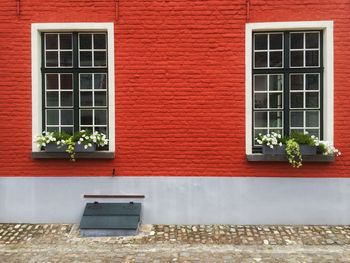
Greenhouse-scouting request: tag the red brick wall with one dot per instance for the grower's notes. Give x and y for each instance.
(180, 88)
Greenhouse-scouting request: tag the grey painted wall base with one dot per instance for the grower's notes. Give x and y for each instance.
(182, 200)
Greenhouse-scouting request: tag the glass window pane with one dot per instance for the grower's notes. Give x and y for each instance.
(100, 58)
(66, 58)
(52, 117)
(276, 82)
(276, 100)
(275, 41)
(276, 119)
(85, 58)
(51, 58)
(85, 41)
(51, 81)
(297, 82)
(311, 99)
(66, 81)
(66, 98)
(312, 119)
(260, 119)
(312, 82)
(52, 129)
(85, 117)
(52, 98)
(296, 119)
(260, 41)
(296, 40)
(85, 98)
(276, 59)
(100, 117)
(315, 132)
(296, 58)
(257, 132)
(66, 117)
(101, 130)
(100, 98)
(260, 59)
(311, 58)
(51, 41)
(68, 130)
(260, 82)
(260, 100)
(65, 41)
(85, 81)
(100, 81)
(99, 41)
(297, 100)
(297, 130)
(311, 40)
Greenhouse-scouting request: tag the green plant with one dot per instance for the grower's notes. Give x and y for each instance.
(293, 153)
(304, 138)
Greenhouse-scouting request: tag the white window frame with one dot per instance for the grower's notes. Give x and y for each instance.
(36, 30)
(328, 93)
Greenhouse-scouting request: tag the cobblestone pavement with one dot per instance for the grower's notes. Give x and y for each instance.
(177, 243)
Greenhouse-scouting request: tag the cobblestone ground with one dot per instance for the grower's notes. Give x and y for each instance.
(177, 243)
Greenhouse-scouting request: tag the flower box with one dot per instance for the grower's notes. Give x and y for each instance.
(308, 150)
(54, 148)
(276, 150)
(79, 148)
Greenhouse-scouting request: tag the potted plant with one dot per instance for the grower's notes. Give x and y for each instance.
(295, 146)
(82, 141)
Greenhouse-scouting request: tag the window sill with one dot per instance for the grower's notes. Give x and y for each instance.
(63, 155)
(259, 157)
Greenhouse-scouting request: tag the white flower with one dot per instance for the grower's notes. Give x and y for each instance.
(85, 146)
(79, 142)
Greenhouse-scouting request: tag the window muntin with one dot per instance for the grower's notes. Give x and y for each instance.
(268, 50)
(75, 97)
(299, 94)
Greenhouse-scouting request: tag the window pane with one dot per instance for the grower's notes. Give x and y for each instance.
(51, 41)
(86, 98)
(52, 117)
(275, 41)
(276, 82)
(66, 98)
(100, 98)
(66, 58)
(257, 132)
(66, 117)
(276, 59)
(276, 100)
(260, 82)
(311, 40)
(100, 81)
(52, 99)
(51, 58)
(52, 129)
(296, 82)
(297, 100)
(297, 119)
(260, 100)
(65, 41)
(260, 41)
(297, 130)
(260, 59)
(86, 117)
(100, 58)
(276, 119)
(101, 130)
(51, 81)
(297, 40)
(311, 82)
(85, 58)
(68, 130)
(311, 99)
(296, 58)
(312, 119)
(85, 41)
(85, 81)
(66, 81)
(315, 132)
(100, 117)
(260, 119)
(99, 41)
(311, 58)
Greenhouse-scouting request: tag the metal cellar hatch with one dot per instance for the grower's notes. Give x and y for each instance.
(110, 219)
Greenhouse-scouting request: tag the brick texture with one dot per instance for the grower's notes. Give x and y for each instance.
(180, 85)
